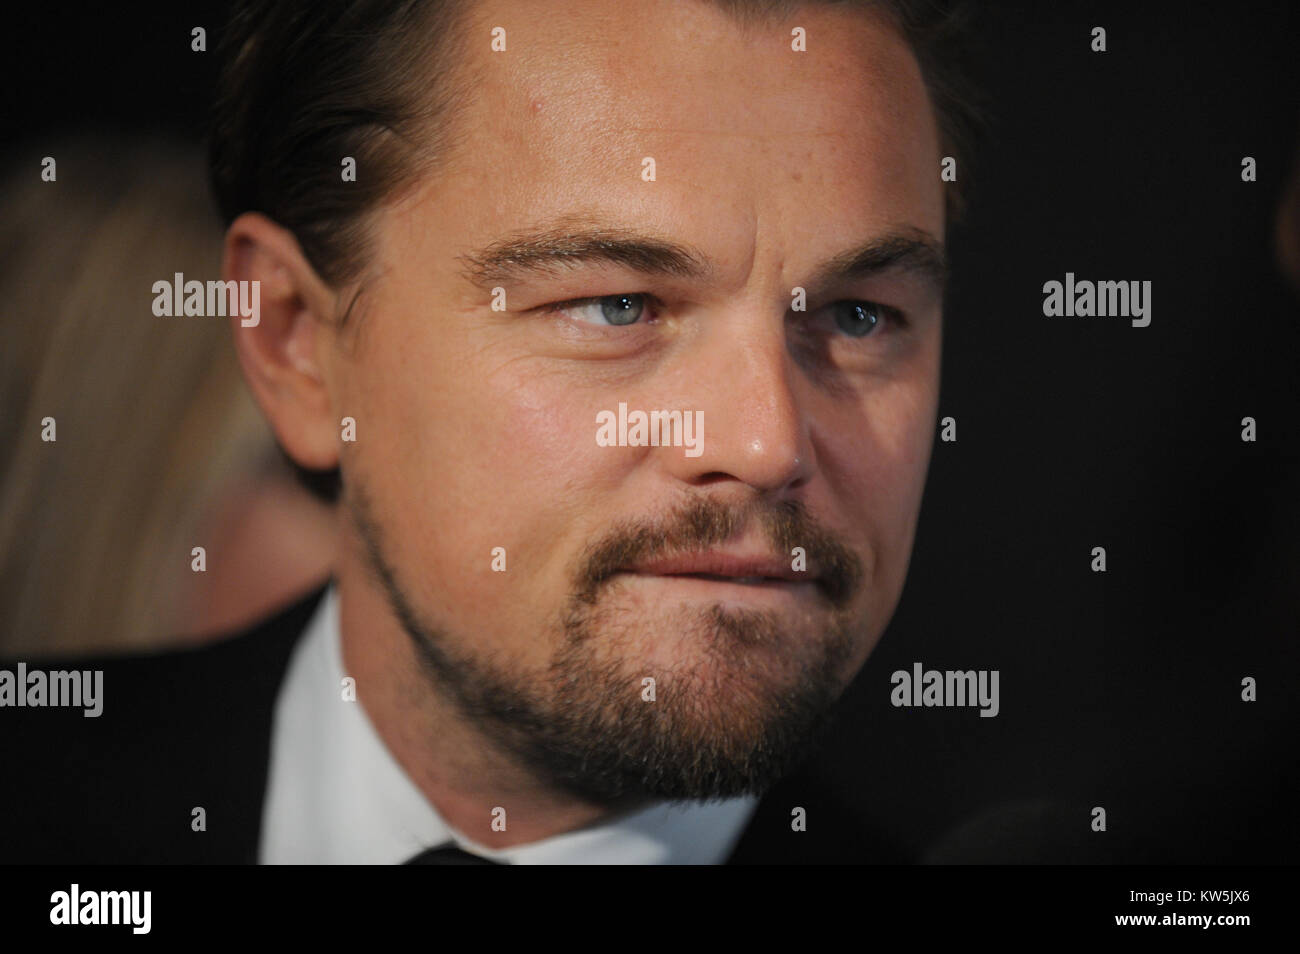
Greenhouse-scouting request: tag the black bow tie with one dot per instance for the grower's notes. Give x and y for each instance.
(449, 855)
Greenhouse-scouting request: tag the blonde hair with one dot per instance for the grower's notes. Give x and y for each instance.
(96, 527)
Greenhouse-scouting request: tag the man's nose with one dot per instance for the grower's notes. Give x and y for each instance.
(756, 431)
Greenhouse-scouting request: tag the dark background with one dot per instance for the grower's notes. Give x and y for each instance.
(1118, 689)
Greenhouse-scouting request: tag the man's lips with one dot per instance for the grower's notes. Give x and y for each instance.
(723, 567)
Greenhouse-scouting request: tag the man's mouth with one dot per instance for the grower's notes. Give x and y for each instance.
(717, 566)
(724, 579)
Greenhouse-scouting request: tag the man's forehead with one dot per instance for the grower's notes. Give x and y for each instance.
(673, 119)
(609, 69)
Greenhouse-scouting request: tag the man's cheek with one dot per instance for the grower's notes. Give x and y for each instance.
(879, 491)
(531, 474)
(530, 429)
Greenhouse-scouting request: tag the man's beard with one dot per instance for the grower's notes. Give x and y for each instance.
(717, 728)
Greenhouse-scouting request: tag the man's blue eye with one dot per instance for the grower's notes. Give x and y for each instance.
(858, 318)
(611, 309)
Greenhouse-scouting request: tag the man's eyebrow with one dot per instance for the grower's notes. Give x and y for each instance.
(905, 250)
(552, 249)
(549, 250)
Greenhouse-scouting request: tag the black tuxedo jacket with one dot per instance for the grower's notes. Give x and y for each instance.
(192, 728)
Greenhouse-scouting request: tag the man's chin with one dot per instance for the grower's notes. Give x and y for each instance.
(736, 703)
(694, 745)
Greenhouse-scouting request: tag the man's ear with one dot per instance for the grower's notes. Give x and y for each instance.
(283, 346)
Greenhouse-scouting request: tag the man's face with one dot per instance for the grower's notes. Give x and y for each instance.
(477, 428)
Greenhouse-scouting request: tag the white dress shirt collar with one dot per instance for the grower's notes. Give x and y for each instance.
(335, 795)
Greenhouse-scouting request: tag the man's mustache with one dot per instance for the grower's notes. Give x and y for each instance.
(702, 522)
